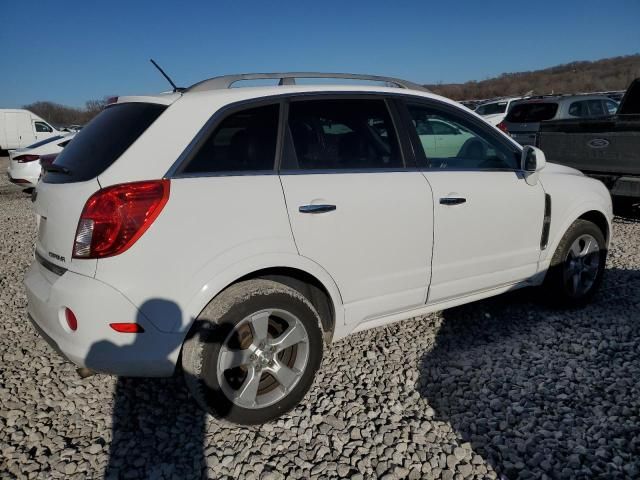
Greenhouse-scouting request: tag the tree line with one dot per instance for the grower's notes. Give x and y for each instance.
(601, 75)
(63, 116)
(609, 74)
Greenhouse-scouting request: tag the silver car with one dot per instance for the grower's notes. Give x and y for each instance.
(523, 120)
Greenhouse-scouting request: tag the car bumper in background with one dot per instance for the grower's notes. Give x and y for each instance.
(94, 344)
(24, 174)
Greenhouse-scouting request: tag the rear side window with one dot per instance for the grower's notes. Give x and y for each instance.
(103, 140)
(491, 108)
(612, 107)
(587, 108)
(596, 109)
(532, 112)
(244, 141)
(579, 109)
(341, 135)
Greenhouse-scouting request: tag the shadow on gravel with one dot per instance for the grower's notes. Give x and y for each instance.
(542, 391)
(157, 429)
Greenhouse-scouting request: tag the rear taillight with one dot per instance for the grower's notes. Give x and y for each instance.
(115, 217)
(503, 126)
(26, 158)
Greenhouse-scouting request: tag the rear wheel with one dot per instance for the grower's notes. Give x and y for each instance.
(253, 352)
(578, 265)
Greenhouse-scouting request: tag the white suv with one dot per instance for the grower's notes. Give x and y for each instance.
(238, 231)
(495, 111)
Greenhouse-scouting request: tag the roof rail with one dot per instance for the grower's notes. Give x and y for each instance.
(289, 78)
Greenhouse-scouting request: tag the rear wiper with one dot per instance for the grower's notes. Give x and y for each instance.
(56, 169)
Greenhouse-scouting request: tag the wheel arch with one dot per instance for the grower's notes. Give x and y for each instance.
(591, 212)
(294, 271)
(308, 285)
(600, 220)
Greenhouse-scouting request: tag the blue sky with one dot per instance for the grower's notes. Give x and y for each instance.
(70, 51)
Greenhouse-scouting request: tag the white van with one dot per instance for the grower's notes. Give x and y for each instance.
(20, 128)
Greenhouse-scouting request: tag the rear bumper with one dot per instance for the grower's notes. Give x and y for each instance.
(95, 344)
(24, 174)
(627, 187)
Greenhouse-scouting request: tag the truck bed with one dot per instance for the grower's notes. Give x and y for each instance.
(609, 145)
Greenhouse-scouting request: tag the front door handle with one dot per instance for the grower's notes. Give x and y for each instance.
(316, 208)
(452, 200)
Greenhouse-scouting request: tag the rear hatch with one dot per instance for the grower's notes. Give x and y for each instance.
(523, 119)
(72, 178)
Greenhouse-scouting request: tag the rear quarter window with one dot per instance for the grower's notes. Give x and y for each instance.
(532, 112)
(103, 140)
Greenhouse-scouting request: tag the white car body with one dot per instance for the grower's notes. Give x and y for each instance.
(389, 251)
(20, 128)
(27, 173)
(503, 105)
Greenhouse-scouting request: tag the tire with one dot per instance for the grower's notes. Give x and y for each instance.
(560, 283)
(235, 361)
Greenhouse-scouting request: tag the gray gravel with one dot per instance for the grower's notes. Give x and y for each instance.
(501, 388)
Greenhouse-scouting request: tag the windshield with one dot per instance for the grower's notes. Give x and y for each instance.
(532, 112)
(45, 141)
(492, 108)
(103, 140)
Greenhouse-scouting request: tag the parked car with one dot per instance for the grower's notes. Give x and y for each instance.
(495, 111)
(19, 128)
(25, 163)
(237, 231)
(523, 120)
(605, 148)
(72, 128)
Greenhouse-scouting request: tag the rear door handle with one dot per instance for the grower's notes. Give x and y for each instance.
(316, 208)
(452, 200)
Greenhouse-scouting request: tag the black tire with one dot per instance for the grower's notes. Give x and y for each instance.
(557, 283)
(218, 325)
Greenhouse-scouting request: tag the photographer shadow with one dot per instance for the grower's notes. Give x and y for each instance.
(158, 430)
(541, 391)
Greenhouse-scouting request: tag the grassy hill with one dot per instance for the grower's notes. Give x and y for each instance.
(601, 75)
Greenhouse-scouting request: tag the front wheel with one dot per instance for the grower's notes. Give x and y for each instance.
(253, 352)
(578, 265)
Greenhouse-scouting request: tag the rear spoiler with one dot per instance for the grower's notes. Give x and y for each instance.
(630, 104)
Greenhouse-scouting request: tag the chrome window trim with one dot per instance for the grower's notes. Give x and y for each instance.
(228, 173)
(348, 171)
(174, 171)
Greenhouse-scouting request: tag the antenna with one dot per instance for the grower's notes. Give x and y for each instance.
(175, 88)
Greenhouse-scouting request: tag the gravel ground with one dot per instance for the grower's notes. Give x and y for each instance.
(501, 388)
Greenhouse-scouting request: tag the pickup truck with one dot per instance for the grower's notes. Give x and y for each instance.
(606, 148)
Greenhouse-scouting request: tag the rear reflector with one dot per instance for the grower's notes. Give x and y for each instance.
(26, 158)
(127, 327)
(114, 218)
(72, 321)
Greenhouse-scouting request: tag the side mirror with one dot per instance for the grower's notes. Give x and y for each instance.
(532, 159)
